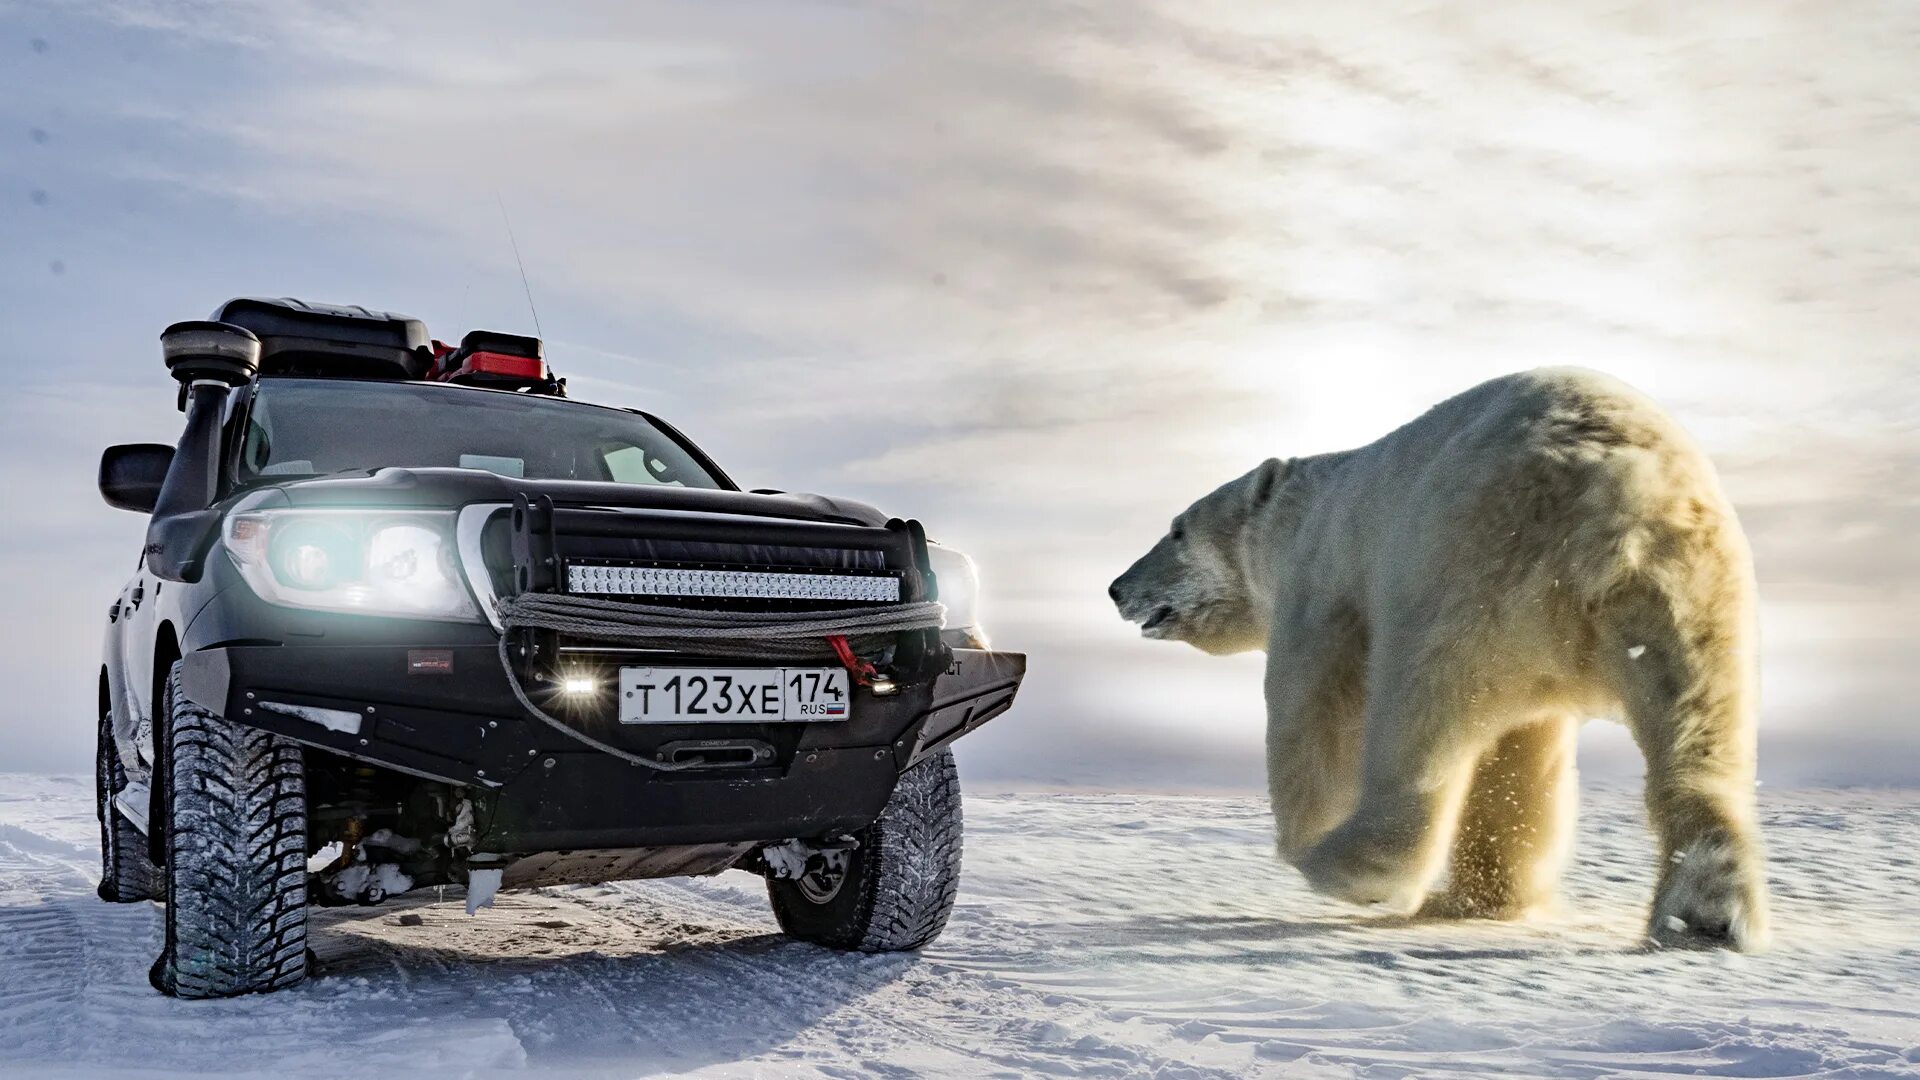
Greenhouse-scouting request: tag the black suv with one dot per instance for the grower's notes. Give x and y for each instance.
(406, 616)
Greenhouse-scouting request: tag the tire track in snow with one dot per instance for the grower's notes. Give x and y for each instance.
(43, 944)
(705, 959)
(1111, 936)
(934, 1005)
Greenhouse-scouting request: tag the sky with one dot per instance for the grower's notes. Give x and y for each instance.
(1038, 274)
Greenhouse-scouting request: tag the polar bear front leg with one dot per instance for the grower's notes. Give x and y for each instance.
(1315, 690)
(1421, 745)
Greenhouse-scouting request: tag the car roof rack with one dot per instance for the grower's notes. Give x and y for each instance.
(300, 337)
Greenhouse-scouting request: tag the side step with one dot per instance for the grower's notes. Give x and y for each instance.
(132, 802)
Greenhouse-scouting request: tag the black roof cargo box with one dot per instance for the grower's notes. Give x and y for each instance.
(298, 337)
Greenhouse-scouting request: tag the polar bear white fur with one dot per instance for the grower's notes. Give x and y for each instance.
(1442, 607)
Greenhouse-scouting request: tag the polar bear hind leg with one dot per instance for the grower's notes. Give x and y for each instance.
(1516, 828)
(1688, 687)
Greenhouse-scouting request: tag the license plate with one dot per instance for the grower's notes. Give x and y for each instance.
(683, 695)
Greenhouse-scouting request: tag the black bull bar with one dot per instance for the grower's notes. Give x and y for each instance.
(447, 712)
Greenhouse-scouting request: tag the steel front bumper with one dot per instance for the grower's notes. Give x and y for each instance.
(447, 714)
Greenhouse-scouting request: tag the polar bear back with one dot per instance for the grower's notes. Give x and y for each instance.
(1558, 474)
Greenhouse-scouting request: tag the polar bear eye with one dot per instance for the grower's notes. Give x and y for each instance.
(1177, 533)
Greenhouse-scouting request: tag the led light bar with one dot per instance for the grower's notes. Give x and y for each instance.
(731, 584)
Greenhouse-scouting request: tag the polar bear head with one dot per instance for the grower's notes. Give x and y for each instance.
(1193, 586)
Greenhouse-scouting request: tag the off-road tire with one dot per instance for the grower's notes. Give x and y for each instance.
(236, 866)
(126, 874)
(900, 880)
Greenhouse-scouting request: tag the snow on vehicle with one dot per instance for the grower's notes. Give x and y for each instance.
(407, 616)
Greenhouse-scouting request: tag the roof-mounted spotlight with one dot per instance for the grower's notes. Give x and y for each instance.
(216, 352)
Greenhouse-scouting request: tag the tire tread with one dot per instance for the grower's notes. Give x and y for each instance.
(236, 856)
(127, 875)
(910, 869)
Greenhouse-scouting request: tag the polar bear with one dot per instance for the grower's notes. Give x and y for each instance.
(1442, 607)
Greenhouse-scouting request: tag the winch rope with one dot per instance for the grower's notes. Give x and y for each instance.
(540, 714)
(772, 635)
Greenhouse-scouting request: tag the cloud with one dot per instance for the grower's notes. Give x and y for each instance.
(1043, 274)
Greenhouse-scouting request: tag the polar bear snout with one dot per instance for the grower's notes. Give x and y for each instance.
(1145, 594)
(1178, 594)
(1137, 605)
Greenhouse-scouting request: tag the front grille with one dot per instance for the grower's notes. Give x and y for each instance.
(711, 561)
(683, 583)
(695, 554)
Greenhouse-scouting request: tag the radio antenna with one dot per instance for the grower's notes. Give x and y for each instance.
(519, 262)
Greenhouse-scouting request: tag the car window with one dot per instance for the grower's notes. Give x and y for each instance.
(634, 465)
(315, 427)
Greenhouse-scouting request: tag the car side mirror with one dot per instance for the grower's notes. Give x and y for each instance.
(131, 475)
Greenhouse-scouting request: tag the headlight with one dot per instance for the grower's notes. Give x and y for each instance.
(959, 585)
(371, 562)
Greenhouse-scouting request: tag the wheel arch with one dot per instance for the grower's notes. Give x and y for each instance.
(105, 715)
(166, 650)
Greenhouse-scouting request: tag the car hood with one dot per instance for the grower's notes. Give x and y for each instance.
(441, 488)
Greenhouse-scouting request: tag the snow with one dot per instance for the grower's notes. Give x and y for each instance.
(481, 887)
(325, 857)
(340, 720)
(786, 860)
(386, 878)
(1096, 935)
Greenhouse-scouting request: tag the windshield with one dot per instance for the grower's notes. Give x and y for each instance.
(312, 427)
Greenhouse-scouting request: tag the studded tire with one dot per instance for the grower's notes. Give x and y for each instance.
(236, 867)
(126, 874)
(900, 881)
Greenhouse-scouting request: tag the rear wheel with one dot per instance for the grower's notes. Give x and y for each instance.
(895, 889)
(236, 869)
(126, 874)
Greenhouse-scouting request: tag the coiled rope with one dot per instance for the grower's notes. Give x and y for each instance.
(783, 635)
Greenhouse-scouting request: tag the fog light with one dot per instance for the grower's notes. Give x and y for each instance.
(577, 685)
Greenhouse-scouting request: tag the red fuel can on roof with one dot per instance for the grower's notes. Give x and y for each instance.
(492, 359)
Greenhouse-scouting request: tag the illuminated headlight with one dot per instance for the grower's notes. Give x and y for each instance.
(959, 585)
(741, 584)
(369, 562)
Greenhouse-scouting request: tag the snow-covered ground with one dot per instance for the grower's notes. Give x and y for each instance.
(1097, 935)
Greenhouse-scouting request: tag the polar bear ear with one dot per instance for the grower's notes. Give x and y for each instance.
(1266, 478)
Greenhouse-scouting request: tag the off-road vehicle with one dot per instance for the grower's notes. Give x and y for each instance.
(407, 616)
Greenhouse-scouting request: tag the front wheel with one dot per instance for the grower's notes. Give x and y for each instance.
(236, 868)
(894, 890)
(126, 874)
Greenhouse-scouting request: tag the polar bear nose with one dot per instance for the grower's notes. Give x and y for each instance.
(1113, 591)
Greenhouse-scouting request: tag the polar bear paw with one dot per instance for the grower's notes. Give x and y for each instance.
(1352, 866)
(1711, 897)
(1460, 903)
